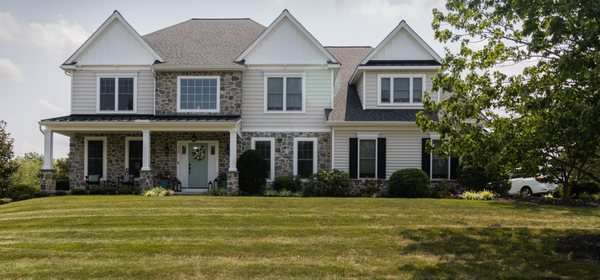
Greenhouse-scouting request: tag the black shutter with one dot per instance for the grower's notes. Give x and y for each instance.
(353, 163)
(425, 156)
(381, 158)
(453, 168)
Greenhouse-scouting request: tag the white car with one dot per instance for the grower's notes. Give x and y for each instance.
(531, 185)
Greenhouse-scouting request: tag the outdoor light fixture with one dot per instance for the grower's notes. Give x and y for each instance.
(194, 137)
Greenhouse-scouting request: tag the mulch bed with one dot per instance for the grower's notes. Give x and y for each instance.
(580, 246)
(558, 202)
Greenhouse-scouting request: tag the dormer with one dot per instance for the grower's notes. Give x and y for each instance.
(398, 72)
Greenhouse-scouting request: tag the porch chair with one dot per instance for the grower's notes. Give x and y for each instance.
(92, 180)
(126, 180)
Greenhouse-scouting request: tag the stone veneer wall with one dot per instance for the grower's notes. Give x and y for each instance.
(160, 160)
(284, 148)
(230, 92)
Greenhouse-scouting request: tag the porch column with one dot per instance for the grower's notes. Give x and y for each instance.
(48, 157)
(146, 150)
(232, 151)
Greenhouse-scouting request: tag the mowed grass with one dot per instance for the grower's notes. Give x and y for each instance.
(194, 237)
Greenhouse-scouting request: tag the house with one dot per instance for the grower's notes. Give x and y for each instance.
(186, 100)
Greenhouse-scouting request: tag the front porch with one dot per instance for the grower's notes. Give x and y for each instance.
(193, 155)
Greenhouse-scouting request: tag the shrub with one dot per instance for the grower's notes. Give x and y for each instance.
(471, 195)
(370, 187)
(411, 182)
(442, 190)
(252, 172)
(477, 179)
(79, 192)
(587, 196)
(24, 196)
(5, 200)
(102, 191)
(486, 195)
(158, 191)
(585, 187)
(282, 193)
(40, 194)
(16, 191)
(328, 183)
(60, 193)
(218, 192)
(126, 190)
(290, 183)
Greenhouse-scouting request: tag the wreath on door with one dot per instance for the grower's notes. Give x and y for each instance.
(199, 153)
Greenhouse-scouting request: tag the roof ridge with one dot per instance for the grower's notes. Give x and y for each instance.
(341, 47)
(221, 19)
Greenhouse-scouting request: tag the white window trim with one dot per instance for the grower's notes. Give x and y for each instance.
(431, 162)
(272, 140)
(410, 89)
(217, 110)
(104, 155)
(315, 153)
(284, 109)
(116, 76)
(376, 157)
(127, 140)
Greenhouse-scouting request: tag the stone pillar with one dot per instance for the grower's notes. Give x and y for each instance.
(146, 150)
(232, 182)
(146, 180)
(232, 151)
(48, 180)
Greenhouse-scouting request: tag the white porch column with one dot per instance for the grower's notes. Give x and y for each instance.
(232, 151)
(146, 150)
(48, 157)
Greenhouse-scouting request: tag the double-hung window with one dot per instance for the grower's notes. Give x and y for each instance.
(367, 158)
(440, 165)
(198, 93)
(95, 156)
(116, 94)
(305, 157)
(401, 89)
(284, 94)
(266, 147)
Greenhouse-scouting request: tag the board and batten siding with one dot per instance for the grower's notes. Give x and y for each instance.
(371, 93)
(318, 97)
(84, 91)
(403, 148)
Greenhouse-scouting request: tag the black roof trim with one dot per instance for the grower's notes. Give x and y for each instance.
(402, 63)
(134, 117)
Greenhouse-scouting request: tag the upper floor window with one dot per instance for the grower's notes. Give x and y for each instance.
(401, 89)
(116, 94)
(284, 94)
(198, 93)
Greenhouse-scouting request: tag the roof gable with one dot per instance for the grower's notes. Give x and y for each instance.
(114, 42)
(402, 44)
(286, 41)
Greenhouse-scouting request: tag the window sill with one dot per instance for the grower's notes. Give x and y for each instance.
(284, 112)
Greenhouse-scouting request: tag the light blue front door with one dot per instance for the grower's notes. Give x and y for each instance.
(198, 166)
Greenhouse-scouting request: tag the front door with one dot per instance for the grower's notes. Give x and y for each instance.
(198, 166)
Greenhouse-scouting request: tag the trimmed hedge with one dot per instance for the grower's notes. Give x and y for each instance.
(289, 183)
(329, 183)
(252, 172)
(411, 182)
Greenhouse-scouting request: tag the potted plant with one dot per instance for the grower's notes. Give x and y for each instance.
(222, 180)
(164, 179)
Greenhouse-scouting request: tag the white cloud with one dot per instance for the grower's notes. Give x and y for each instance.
(385, 10)
(9, 71)
(58, 38)
(50, 106)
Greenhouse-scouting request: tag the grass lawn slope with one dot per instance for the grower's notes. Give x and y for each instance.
(281, 238)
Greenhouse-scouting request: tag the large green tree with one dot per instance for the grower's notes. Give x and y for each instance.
(28, 172)
(547, 113)
(7, 165)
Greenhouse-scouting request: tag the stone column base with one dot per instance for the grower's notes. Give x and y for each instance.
(232, 182)
(48, 180)
(146, 180)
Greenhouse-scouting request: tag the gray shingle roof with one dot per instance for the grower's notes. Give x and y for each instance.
(354, 111)
(204, 42)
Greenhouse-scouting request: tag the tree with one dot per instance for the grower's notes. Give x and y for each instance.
(7, 165)
(252, 172)
(61, 166)
(548, 113)
(28, 172)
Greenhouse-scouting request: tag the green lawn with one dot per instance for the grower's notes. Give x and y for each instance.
(276, 238)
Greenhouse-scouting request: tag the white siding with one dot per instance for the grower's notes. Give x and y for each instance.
(403, 148)
(402, 47)
(286, 45)
(371, 86)
(84, 92)
(116, 46)
(318, 97)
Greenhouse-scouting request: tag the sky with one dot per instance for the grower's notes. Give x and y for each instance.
(37, 36)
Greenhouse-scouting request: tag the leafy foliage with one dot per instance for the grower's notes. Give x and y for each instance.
(18, 192)
(79, 192)
(158, 191)
(218, 192)
(282, 193)
(546, 114)
(290, 183)
(478, 179)
(28, 172)
(5, 200)
(370, 187)
(7, 165)
(252, 169)
(328, 183)
(410, 182)
(61, 166)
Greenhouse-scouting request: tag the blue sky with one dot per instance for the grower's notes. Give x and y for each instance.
(37, 36)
